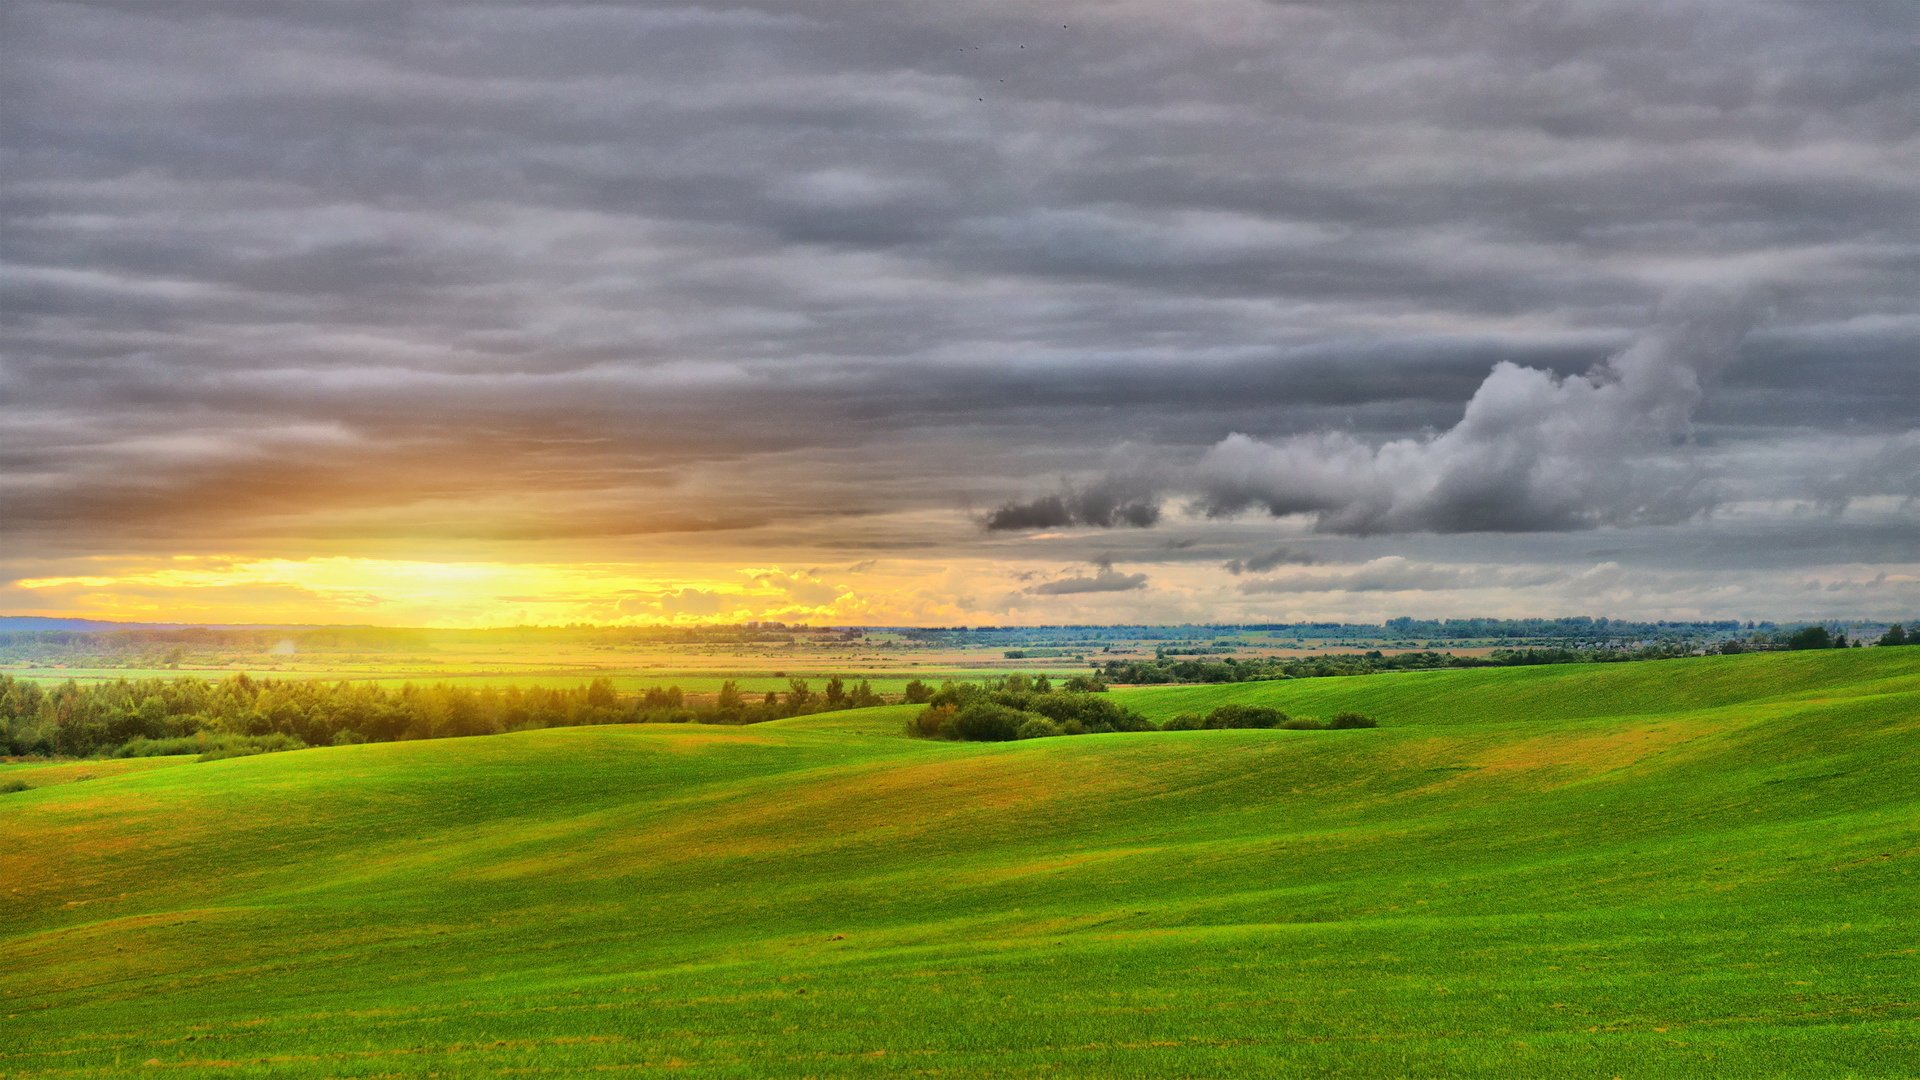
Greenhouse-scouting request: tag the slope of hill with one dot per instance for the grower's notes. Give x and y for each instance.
(1682, 868)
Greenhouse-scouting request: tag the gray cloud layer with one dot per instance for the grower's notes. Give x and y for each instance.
(308, 273)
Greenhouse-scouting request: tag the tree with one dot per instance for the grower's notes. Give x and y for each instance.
(1812, 637)
(600, 694)
(918, 693)
(729, 700)
(1895, 635)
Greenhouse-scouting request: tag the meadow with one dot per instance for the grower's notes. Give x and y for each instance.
(1677, 868)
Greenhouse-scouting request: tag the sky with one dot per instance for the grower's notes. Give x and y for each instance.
(1026, 312)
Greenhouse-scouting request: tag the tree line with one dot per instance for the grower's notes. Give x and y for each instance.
(241, 714)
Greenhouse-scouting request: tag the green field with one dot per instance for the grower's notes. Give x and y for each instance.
(1702, 867)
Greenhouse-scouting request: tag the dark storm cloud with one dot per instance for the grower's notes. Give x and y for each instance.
(612, 269)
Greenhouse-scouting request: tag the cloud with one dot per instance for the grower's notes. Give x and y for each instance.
(1106, 580)
(803, 587)
(1267, 560)
(691, 602)
(1891, 468)
(1107, 504)
(1534, 452)
(1393, 573)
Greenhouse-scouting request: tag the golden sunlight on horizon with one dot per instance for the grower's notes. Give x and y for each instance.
(414, 592)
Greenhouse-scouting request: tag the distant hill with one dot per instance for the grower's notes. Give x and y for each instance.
(38, 622)
(16, 623)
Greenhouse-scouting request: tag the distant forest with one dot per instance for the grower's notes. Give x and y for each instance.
(241, 715)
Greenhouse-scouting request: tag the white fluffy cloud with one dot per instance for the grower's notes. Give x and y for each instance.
(1533, 452)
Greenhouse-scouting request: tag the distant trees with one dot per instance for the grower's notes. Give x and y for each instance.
(1820, 637)
(1166, 668)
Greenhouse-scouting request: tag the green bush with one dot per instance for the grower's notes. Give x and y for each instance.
(8, 787)
(988, 721)
(933, 722)
(1038, 728)
(1348, 720)
(1244, 716)
(1186, 721)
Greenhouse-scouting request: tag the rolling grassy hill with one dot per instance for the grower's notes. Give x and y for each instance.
(1683, 868)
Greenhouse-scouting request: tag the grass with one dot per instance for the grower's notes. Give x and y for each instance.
(1681, 868)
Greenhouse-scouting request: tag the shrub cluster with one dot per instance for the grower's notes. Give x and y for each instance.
(1021, 707)
(1018, 707)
